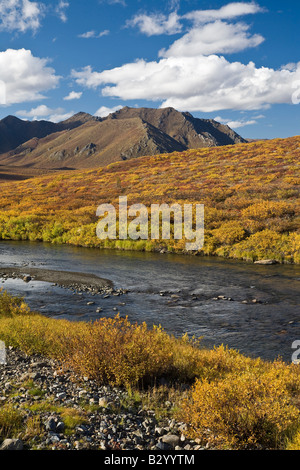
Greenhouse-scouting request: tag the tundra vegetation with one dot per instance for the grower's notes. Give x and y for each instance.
(250, 192)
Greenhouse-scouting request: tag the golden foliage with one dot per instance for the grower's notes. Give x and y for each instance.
(250, 410)
(247, 189)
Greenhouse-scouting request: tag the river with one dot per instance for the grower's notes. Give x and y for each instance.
(259, 315)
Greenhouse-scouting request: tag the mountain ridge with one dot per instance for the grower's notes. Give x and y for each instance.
(86, 141)
(183, 127)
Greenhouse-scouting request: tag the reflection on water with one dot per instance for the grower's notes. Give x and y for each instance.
(179, 292)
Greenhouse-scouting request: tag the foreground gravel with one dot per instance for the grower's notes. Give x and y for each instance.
(42, 392)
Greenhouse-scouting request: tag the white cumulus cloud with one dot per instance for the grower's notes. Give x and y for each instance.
(94, 34)
(43, 111)
(156, 24)
(193, 74)
(105, 111)
(25, 76)
(235, 124)
(213, 38)
(61, 9)
(39, 111)
(20, 15)
(227, 12)
(73, 95)
(203, 83)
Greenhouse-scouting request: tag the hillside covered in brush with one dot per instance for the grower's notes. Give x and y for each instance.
(250, 192)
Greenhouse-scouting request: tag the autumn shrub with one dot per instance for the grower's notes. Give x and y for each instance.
(32, 332)
(11, 306)
(265, 244)
(242, 411)
(268, 209)
(10, 421)
(114, 351)
(109, 350)
(229, 233)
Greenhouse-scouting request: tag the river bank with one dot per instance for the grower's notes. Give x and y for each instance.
(61, 278)
(55, 409)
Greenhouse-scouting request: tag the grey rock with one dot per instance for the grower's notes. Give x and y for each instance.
(50, 424)
(60, 427)
(104, 426)
(266, 261)
(163, 446)
(12, 444)
(171, 439)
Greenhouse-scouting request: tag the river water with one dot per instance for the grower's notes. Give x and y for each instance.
(177, 292)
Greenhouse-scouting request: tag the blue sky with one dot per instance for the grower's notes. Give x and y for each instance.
(236, 62)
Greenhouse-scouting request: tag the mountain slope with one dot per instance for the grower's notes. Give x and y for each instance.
(183, 127)
(85, 141)
(95, 143)
(14, 131)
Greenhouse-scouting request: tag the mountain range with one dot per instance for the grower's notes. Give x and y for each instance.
(86, 141)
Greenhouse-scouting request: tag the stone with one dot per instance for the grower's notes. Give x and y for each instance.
(134, 427)
(103, 402)
(50, 424)
(12, 444)
(171, 439)
(159, 430)
(54, 438)
(60, 427)
(266, 261)
(163, 446)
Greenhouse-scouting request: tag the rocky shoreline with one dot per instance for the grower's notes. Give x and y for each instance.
(79, 282)
(102, 417)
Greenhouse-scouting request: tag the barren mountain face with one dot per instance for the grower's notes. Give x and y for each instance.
(85, 141)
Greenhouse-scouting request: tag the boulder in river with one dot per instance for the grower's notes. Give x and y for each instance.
(266, 261)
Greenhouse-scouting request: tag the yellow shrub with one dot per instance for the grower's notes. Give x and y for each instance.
(229, 233)
(267, 209)
(10, 422)
(245, 411)
(11, 306)
(115, 351)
